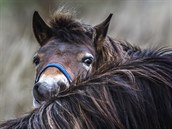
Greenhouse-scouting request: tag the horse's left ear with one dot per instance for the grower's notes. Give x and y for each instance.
(102, 28)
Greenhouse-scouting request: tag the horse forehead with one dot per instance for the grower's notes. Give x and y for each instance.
(60, 47)
(55, 47)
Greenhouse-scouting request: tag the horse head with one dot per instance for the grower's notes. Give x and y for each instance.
(68, 49)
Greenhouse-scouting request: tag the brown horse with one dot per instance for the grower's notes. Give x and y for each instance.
(86, 80)
(134, 95)
(69, 49)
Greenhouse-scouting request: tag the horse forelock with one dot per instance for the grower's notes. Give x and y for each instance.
(68, 29)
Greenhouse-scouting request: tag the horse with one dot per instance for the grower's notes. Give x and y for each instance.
(134, 95)
(87, 80)
(69, 48)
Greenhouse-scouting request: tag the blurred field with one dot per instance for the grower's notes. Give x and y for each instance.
(141, 22)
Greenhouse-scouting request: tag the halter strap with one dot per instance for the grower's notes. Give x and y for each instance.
(58, 66)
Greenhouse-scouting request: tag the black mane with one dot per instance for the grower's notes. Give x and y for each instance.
(135, 94)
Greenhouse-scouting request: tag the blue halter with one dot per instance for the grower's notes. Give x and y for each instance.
(58, 66)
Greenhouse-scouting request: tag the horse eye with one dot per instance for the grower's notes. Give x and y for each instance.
(87, 60)
(36, 60)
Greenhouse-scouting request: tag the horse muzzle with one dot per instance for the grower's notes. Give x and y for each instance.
(51, 80)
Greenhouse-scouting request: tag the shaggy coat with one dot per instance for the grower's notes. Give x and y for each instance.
(134, 95)
(129, 89)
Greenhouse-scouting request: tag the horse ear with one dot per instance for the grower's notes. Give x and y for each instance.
(102, 28)
(41, 30)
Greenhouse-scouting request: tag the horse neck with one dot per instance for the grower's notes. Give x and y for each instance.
(111, 51)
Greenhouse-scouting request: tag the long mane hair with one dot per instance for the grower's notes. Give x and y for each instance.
(130, 89)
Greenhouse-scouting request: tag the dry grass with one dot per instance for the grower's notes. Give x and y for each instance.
(143, 23)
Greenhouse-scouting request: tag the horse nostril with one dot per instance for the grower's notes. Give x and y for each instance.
(40, 92)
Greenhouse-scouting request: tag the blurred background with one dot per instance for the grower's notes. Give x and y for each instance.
(147, 23)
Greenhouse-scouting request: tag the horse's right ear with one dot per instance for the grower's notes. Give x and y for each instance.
(101, 32)
(102, 28)
(41, 30)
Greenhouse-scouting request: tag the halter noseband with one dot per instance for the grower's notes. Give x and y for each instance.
(58, 66)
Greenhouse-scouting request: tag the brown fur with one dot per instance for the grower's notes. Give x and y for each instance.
(129, 89)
